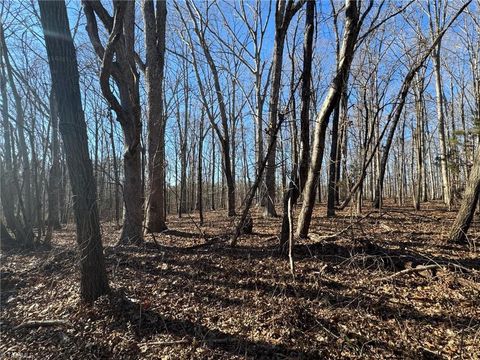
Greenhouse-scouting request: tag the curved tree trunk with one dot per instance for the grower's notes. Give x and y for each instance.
(120, 46)
(469, 203)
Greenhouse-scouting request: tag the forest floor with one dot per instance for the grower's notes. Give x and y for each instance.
(179, 298)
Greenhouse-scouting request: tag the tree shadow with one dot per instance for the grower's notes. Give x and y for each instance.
(149, 324)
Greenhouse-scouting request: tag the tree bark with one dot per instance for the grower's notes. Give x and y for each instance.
(55, 174)
(155, 25)
(284, 13)
(65, 82)
(458, 233)
(120, 45)
(331, 101)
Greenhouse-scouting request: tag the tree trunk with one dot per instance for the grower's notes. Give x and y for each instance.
(55, 174)
(120, 46)
(199, 205)
(64, 72)
(447, 199)
(283, 15)
(331, 101)
(469, 203)
(155, 24)
(332, 173)
(306, 96)
(116, 175)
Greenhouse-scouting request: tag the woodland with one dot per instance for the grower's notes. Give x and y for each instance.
(239, 179)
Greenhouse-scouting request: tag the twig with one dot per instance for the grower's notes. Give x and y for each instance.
(40, 323)
(186, 341)
(291, 239)
(412, 270)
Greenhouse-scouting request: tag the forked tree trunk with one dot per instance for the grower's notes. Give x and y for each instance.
(64, 72)
(120, 46)
(331, 101)
(469, 203)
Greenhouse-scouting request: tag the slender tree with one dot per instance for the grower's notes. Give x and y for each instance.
(283, 15)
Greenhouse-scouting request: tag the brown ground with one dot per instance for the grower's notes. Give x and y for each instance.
(180, 299)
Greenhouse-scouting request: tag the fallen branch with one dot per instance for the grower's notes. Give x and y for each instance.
(187, 341)
(42, 323)
(318, 238)
(412, 270)
(166, 343)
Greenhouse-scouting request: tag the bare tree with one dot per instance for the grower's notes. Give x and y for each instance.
(437, 21)
(396, 112)
(120, 46)
(283, 15)
(199, 27)
(351, 30)
(64, 71)
(24, 228)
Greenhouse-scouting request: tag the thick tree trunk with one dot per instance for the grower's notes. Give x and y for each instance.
(469, 203)
(132, 197)
(155, 24)
(64, 72)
